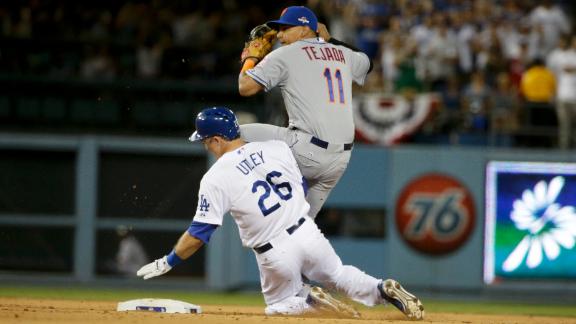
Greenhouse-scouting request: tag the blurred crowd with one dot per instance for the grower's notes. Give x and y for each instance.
(501, 66)
(139, 38)
(498, 65)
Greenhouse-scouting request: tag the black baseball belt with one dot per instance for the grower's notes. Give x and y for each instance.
(266, 247)
(323, 144)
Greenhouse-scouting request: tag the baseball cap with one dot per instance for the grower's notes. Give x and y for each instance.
(296, 16)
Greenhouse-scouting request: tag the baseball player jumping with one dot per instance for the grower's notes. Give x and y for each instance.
(260, 184)
(315, 75)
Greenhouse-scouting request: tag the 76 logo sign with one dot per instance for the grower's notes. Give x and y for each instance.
(435, 214)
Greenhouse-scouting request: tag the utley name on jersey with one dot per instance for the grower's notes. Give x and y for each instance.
(248, 164)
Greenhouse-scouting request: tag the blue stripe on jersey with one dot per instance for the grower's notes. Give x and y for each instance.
(202, 231)
(305, 186)
(315, 41)
(257, 79)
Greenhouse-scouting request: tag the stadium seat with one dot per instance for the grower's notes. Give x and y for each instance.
(106, 112)
(146, 113)
(82, 111)
(4, 107)
(28, 109)
(54, 109)
(176, 114)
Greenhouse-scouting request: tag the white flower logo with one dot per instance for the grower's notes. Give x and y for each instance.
(549, 225)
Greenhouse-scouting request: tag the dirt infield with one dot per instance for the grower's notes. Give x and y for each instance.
(22, 310)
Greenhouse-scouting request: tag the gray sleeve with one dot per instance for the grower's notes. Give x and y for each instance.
(359, 67)
(270, 72)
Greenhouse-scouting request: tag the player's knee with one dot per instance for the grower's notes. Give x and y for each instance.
(332, 278)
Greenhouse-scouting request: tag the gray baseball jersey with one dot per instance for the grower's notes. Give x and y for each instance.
(315, 78)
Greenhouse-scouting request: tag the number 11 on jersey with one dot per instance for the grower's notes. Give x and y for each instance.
(337, 76)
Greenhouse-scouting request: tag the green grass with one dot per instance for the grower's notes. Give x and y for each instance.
(255, 299)
(108, 294)
(500, 308)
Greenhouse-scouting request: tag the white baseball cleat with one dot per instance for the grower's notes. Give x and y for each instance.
(396, 295)
(325, 303)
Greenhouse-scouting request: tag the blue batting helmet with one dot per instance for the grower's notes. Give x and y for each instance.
(214, 121)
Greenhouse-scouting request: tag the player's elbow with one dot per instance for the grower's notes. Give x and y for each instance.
(244, 91)
(248, 87)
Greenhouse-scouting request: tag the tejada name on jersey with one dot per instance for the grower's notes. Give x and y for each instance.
(247, 165)
(324, 53)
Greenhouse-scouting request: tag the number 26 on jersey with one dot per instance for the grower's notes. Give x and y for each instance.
(282, 190)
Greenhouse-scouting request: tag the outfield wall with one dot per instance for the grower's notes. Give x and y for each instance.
(375, 178)
(95, 167)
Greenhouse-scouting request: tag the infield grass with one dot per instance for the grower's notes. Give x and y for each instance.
(255, 299)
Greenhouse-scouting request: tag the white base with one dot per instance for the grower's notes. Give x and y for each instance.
(159, 305)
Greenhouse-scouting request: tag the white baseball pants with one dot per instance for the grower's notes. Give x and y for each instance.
(307, 252)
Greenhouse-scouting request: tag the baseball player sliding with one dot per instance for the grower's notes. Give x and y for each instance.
(315, 75)
(260, 184)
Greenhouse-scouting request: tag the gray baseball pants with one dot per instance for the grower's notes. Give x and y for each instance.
(321, 167)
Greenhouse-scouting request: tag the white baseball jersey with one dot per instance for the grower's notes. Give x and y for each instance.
(315, 78)
(260, 185)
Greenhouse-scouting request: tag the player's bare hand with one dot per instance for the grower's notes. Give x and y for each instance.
(154, 269)
(323, 31)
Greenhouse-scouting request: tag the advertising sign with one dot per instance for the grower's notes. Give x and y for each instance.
(435, 214)
(530, 230)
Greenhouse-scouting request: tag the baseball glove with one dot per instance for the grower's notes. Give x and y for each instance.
(259, 43)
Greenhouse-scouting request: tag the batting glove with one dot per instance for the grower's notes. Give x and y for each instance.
(154, 269)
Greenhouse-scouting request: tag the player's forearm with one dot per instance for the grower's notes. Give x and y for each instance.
(187, 245)
(247, 86)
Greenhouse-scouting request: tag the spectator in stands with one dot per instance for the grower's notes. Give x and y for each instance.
(551, 21)
(131, 255)
(538, 87)
(492, 59)
(342, 17)
(492, 36)
(392, 51)
(101, 28)
(465, 35)
(126, 21)
(476, 103)
(149, 58)
(531, 38)
(22, 28)
(562, 61)
(518, 64)
(368, 35)
(407, 78)
(504, 113)
(441, 56)
(422, 34)
(509, 39)
(98, 64)
(450, 117)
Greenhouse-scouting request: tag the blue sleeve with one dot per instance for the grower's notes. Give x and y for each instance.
(202, 231)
